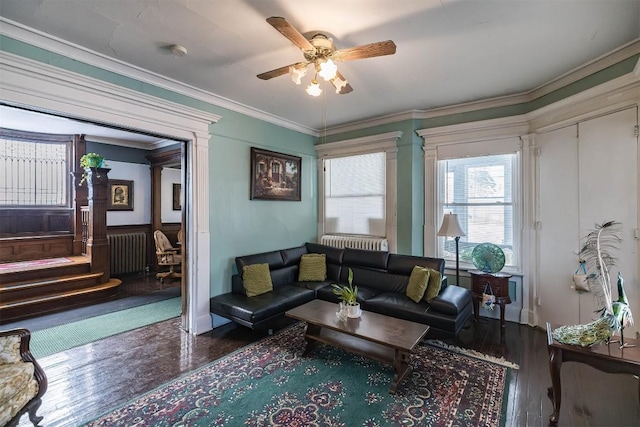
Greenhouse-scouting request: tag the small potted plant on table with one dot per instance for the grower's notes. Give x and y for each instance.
(348, 295)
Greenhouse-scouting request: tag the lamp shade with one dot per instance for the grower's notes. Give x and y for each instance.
(450, 226)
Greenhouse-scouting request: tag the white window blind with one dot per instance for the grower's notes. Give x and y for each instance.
(355, 195)
(480, 190)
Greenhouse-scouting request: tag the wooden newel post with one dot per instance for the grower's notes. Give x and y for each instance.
(79, 201)
(97, 243)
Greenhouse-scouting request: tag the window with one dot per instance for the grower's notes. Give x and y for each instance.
(354, 196)
(357, 187)
(34, 172)
(480, 190)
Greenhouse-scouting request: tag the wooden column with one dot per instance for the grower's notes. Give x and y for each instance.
(97, 243)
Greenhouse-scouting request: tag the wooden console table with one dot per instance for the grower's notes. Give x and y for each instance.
(499, 284)
(607, 358)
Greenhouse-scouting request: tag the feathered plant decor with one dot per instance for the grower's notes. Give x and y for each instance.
(598, 254)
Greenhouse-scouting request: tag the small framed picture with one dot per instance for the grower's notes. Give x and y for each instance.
(120, 196)
(177, 197)
(275, 176)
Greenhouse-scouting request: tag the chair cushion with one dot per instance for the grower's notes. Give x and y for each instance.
(10, 349)
(256, 279)
(418, 282)
(17, 388)
(313, 268)
(433, 287)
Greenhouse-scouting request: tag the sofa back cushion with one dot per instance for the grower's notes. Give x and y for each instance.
(363, 258)
(273, 258)
(403, 264)
(292, 256)
(334, 258)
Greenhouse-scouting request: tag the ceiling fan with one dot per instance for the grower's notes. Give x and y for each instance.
(321, 53)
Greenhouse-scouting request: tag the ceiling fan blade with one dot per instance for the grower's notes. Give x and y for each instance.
(275, 73)
(291, 33)
(371, 50)
(341, 85)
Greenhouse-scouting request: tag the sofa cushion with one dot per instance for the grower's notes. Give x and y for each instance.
(434, 285)
(256, 279)
(418, 282)
(403, 264)
(260, 307)
(453, 300)
(364, 293)
(313, 268)
(15, 378)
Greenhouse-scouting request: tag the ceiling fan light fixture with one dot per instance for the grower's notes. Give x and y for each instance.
(297, 73)
(314, 88)
(328, 69)
(338, 83)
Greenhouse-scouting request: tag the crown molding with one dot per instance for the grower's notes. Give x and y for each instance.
(62, 47)
(611, 58)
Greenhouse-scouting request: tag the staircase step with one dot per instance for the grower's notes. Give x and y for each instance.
(47, 286)
(80, 265)
(28, 307)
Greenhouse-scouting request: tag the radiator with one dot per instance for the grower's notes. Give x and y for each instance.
(128, 252)
(356, 242)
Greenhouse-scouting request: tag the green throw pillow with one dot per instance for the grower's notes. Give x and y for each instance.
(435, 282)
(256, 279)
(313, 268)
(418, 282)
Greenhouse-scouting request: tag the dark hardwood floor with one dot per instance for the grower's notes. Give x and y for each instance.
(86, 381)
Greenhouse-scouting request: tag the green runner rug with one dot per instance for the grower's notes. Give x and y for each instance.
(59, 338)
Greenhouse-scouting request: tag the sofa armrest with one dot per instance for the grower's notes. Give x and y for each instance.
(452, 300)
(237, 286)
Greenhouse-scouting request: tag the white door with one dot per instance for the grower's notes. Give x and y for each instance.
(588, 174)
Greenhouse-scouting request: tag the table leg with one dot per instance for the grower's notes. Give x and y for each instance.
(555, 391)
(402, 368)
(312, 330)
(501, 303)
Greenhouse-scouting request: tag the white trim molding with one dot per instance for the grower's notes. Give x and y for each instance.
(385, 142)
(53, 44)
(46, 88)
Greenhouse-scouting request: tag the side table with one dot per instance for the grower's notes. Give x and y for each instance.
(608, 358)
(499, 284)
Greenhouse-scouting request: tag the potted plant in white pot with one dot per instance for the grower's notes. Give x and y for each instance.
(348, 294)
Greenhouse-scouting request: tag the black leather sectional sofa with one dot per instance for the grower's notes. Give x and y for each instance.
(381, 277)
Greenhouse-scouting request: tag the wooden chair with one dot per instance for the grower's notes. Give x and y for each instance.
(167, 256)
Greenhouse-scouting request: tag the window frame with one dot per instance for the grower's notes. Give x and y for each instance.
(45, 138)
(386, 143)
(473, 139)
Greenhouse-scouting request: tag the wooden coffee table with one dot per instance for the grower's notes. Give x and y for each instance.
(376, 336)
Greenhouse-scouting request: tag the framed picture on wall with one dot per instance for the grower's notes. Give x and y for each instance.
(274, 176)
(120, 197)
(177, 197)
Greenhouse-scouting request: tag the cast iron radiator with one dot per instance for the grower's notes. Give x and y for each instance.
(355, 242)
(128, 252)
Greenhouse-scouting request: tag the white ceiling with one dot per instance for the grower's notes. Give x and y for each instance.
(448, 51)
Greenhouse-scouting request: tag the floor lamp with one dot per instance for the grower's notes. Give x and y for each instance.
(451, 228)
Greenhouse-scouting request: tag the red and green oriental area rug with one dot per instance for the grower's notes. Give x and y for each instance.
(268, 383)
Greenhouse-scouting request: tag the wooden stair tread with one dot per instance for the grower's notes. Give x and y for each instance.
(113, 283)
(25, 284)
